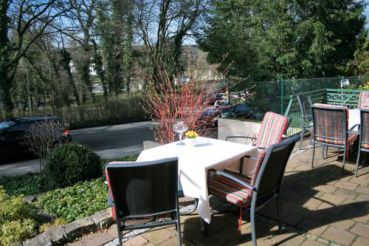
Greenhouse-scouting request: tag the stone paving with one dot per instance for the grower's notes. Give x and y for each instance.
(320, 206)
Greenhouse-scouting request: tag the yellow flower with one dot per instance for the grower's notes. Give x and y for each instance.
(191, 134)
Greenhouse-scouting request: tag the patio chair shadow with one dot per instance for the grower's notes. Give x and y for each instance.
(303, 207)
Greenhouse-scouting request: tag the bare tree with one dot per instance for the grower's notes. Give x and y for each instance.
(20, 19)
(42, 136)
(162, 26)
(77, 24)
(47, 63)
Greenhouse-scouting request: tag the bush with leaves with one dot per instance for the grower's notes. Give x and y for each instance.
(28, 184)
(17, 219)
(71, 163)
(75, 202)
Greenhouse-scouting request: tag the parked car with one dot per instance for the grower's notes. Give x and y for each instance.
(221, 104)
(238, 111)
(12, 136)
(209, 118)
(216, 97)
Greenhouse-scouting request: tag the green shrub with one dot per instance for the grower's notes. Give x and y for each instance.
(17, 219)
(28, 184)
(364, 86)
(75, 202)
(71, 163)
(117, 110)
(33, 184)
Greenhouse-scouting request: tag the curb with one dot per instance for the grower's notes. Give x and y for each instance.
(59, 235)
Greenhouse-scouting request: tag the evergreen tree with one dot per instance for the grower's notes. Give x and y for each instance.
(268, 39)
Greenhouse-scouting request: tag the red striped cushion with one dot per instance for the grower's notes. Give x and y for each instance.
(330, 141)
(363, 99)
(109, 193)
(260, 157)
(365, 146)
(272, 129)
(330, 128)
(365, 129)
(351, 139)
(230, 190)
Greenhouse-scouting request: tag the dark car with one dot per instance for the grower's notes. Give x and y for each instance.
(215, 97)
(209, 118)
(12, 136)
(238, 111)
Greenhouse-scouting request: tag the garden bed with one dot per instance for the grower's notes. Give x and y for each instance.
(28, 200)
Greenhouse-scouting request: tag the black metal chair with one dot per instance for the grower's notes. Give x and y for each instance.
(271, 131)
(364, 136)
(144, 190)
(306, 100)
(254, 193)
(331, 129)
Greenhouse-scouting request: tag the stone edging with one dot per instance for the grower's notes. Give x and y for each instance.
(58, 235)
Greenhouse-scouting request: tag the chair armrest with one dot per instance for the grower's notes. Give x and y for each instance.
(253, 139)
(251, 157)
(235, 179)
(351, 130)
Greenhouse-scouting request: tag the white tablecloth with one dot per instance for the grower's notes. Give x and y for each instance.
(195, 161)
(354, 118)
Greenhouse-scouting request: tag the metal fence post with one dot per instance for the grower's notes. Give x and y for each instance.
(281, 86)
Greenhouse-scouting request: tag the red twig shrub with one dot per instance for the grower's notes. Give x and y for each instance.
(167, 103)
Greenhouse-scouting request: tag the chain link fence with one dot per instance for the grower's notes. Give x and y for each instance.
(280, 95)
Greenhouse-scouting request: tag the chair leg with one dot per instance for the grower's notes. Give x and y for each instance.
(204, 228)
(178, 227)
(252, 222)
(312, 161)
(357, 161)
(344, 159)
(302, 134)
(311, 136)
(120, 234)
(324, 150)
(278, 215)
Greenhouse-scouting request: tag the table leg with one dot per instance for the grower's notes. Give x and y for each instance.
(204, 228)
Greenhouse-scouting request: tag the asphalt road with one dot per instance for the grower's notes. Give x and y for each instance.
(117, 140)
(108, 142)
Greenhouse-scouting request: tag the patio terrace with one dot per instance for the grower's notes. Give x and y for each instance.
(320, 206)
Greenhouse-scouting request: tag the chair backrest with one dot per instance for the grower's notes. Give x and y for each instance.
(363, 99)
(364, 128)
(143, 188)
(330, 123)
(306, 100)
(270, 174)
(305, 104)
(272, 129)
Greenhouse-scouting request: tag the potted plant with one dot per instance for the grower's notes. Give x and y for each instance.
(192, 136)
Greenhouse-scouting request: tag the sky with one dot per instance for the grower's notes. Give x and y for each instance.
(367, 13)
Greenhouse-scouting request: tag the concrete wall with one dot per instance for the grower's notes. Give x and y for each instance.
(230, 127)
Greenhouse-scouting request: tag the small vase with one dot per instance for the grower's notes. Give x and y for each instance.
(193, 142)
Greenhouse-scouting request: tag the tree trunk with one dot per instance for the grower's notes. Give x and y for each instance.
(85, 77)
(5, 86)
(5, 69)
(127, 42)
(66, 58)
(100, 71)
